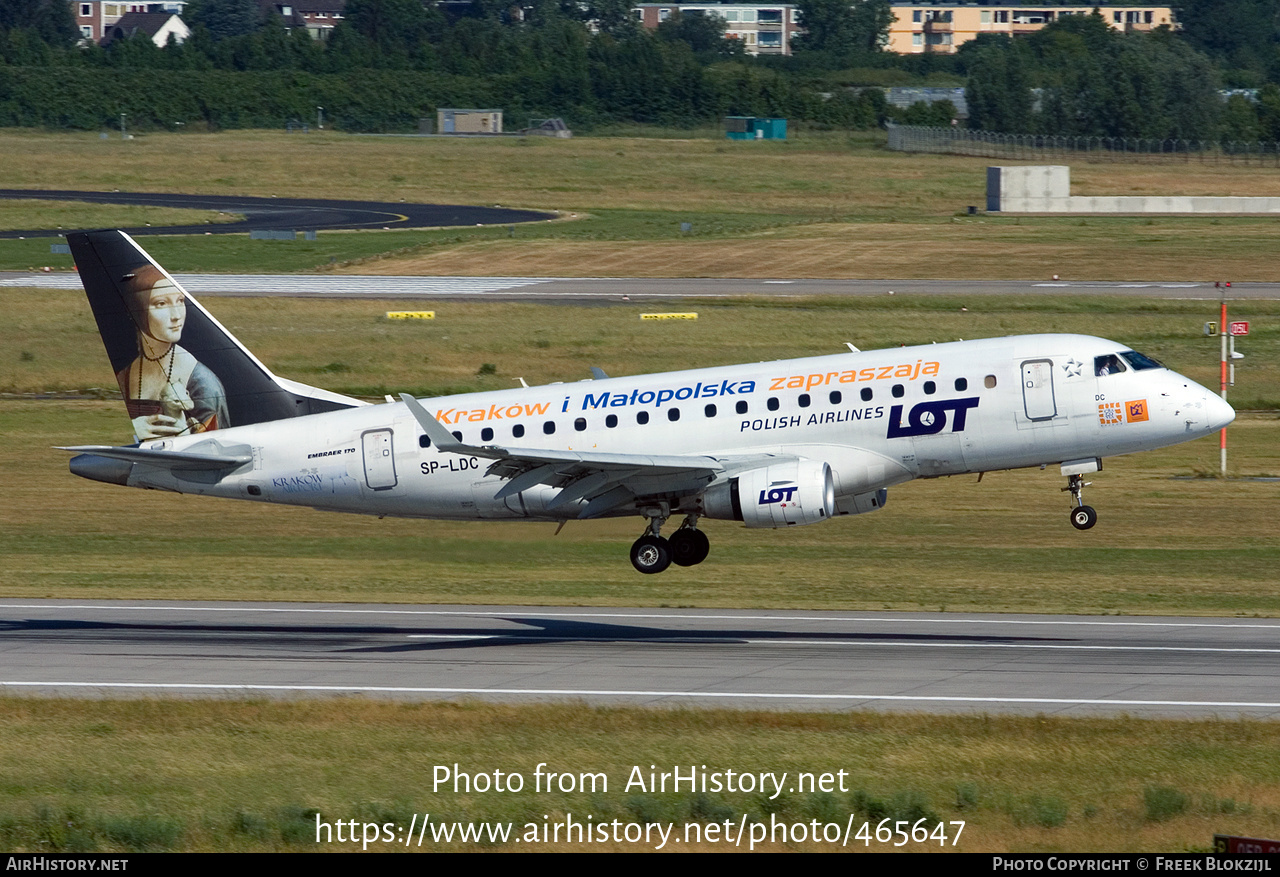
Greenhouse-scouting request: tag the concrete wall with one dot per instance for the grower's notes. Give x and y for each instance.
(1046, 189)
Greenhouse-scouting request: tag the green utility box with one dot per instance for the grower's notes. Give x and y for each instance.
(754, 128)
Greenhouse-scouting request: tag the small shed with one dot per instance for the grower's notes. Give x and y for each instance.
(469, 121)
(754, 128)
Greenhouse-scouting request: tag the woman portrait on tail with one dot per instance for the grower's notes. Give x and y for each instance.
(168, 392)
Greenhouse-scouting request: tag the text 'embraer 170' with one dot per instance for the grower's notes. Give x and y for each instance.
(777, 444)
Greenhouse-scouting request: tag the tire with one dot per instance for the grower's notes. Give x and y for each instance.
(650, 554)
(1084, 517)
(689, 547)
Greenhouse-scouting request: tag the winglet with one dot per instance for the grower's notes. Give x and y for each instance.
(442, 438)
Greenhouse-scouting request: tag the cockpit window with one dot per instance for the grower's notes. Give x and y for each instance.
(1138, 361)
(1107, 365)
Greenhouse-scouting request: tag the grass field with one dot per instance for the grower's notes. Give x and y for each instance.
(820, 205)
(23, 214)
(265, 770)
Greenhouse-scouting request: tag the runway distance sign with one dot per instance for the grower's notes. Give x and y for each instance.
(1237, 846)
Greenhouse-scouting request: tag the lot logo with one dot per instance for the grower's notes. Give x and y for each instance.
(777, 494)
(930, 418)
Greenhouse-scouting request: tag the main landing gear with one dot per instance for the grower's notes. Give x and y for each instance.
(687, 546)
(1082, 516)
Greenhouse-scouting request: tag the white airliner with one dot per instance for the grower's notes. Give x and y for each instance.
(772, 444)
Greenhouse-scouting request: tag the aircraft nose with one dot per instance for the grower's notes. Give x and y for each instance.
(1218, 412)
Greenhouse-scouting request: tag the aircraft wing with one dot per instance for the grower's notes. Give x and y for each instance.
(604, 480)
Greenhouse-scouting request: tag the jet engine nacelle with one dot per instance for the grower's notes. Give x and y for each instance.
(782, 495)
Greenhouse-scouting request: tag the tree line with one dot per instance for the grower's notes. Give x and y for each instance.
(389, 63)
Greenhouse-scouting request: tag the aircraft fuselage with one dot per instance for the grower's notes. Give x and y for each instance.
(877, 418)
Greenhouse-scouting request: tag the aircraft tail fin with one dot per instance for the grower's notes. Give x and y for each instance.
(180, 371)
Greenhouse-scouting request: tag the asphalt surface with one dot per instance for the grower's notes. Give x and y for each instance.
(618, 290)
(282, 213)
(708, 658)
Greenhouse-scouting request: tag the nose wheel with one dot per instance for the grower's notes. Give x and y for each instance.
(1083, 517)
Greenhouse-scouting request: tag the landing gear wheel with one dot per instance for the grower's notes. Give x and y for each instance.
(689, 547)
(1084, 517)
(650, 554)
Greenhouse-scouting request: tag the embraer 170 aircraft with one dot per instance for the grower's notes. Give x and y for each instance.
(772, 444)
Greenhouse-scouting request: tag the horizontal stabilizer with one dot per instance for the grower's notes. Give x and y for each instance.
(175, 460)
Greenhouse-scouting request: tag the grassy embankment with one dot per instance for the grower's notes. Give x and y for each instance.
(265, 770)
(817, 206)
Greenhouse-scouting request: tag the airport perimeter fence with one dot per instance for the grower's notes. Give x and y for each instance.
(1043, 147)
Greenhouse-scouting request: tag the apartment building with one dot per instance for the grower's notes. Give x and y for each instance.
(764, 29)
(95, 18)
(943, 27)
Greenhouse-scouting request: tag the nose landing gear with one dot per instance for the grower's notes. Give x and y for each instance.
(1082, 516)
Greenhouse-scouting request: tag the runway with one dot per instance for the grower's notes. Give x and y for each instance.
(615, 290)
(830, 661)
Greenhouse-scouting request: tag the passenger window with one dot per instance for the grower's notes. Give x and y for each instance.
(611, 421)
(710, 411)
(835, 397)
(642, 417)
(580, 424)
(742, 408)
(930, 388)
(962, 384)
(518, 430)
(424, 441)
(803, 400)
(989, 382)
(458, 436)
(899, 391)
(673, 414)
(772, 404)
(549, 427)
(866, 394)
(486, 434)
(1107, 365)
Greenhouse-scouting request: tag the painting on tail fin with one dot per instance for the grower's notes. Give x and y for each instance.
(179, 370)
